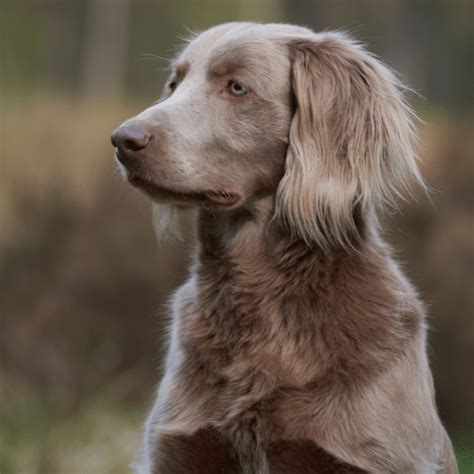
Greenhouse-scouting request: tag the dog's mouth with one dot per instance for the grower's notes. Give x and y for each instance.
(203, 198)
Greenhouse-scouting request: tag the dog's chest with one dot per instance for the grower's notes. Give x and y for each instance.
(245, 348)
(239, 349)
(237, 333)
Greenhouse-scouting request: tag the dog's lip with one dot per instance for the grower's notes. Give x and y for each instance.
(223, 198)
(205, 198)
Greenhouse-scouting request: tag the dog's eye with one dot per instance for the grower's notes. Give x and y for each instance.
(172, 85)
(237, 89)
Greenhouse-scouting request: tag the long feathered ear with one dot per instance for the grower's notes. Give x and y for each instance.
(350, 143)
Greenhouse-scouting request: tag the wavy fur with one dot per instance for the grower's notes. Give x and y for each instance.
(351, 140)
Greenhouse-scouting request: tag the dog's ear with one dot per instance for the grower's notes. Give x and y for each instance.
(350, 143)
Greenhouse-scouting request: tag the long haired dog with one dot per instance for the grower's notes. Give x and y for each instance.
(296, 344)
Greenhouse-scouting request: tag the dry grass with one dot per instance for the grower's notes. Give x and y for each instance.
(55, 147)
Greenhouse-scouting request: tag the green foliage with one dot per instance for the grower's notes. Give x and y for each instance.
(464, 448)
(100, 436)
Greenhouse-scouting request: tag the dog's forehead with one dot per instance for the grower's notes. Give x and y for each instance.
(221, 40)
(247, 43)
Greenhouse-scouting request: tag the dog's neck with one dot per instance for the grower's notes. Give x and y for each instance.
(250, 236)
(270, 285)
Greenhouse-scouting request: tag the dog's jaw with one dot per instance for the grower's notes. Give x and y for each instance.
(208, 198)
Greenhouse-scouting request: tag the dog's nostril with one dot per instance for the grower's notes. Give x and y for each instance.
(136, 144)
(130, 139)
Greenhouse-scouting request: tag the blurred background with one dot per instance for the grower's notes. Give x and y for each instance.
(83, 282)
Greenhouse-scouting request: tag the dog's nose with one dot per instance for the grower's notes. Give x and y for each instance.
(129, 139)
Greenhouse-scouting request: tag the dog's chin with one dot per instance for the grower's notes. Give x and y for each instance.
(208, 198)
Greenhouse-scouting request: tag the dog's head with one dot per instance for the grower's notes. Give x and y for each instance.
(252, 110)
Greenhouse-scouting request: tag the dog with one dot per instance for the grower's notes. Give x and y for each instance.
(296, 344)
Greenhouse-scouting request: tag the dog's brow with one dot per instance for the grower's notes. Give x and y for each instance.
(228, 62)
(226, 68)
(180, 69)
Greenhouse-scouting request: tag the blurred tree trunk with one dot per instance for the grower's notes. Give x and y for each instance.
(105, 47)
(61, 25)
